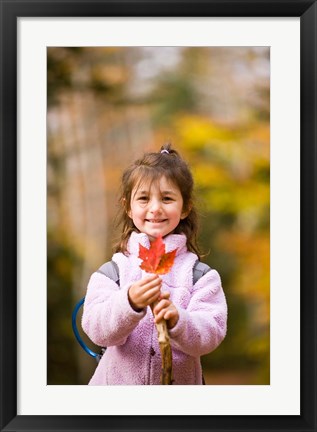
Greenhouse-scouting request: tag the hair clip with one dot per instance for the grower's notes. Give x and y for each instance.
(165, 151)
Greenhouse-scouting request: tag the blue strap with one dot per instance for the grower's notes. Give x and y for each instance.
(76, 333)
(111, 270)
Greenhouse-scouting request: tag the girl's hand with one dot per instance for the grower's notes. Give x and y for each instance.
(165, 309)
(144, 292)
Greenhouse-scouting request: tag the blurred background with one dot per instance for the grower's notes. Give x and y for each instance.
(106, 106)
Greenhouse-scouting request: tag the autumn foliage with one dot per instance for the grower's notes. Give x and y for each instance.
(155, 259)
(106, 105)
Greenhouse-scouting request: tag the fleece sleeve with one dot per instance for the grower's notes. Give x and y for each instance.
(203, 324)
(108, 317)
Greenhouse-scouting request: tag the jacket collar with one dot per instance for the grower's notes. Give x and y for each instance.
(171, 241)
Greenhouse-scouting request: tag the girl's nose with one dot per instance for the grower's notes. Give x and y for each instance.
(155, 206)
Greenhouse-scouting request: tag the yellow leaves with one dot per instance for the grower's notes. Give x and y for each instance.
(237, 198)
(208, 175)
(197, 132)
(252, 254)
(230, 162)
(219, 150)
(260, 133)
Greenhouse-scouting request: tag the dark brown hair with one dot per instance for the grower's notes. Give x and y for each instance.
(151, 167)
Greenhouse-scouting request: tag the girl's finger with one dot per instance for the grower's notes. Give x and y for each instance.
(159, 316)
(152, 292)
(161, 305)
(152, 299)
(169, 314)
(165, 295)
(146, 287)
(148, 279)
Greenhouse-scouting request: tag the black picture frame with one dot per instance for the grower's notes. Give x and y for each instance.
(11, 10)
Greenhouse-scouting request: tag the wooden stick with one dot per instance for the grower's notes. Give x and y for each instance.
(166, 350)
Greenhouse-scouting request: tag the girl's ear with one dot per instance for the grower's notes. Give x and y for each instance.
(185, 213)
(128, 212)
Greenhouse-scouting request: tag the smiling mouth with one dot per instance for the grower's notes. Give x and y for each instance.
(155, 220)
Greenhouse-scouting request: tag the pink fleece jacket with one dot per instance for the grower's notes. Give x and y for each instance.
(133, 353)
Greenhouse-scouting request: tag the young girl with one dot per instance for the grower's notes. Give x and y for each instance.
(156, 200)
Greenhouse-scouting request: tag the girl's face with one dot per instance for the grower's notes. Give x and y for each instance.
(156, 208)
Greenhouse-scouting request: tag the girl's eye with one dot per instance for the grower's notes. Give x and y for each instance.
(142, 198)
(167, 199)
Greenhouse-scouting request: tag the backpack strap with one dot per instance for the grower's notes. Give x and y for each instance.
(199, 270)
(111, 270)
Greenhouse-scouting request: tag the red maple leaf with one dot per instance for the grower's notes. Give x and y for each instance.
(155, 260)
